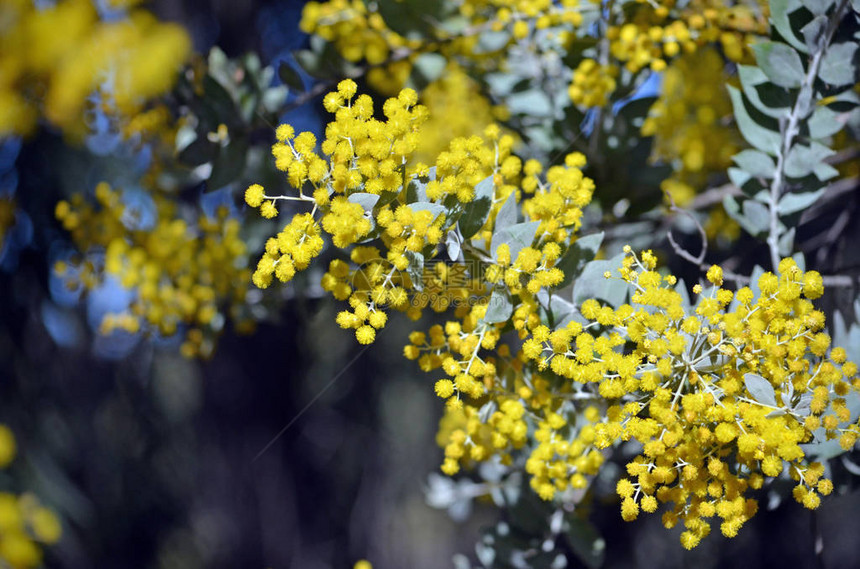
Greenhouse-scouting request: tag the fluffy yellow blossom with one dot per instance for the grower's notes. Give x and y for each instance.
(688, 123)
(185, 275)
(25, 524)
(592, 83)
(720, 411)
(72, 54)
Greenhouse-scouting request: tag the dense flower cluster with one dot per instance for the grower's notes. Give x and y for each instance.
(654, 34)
(592, 83)
(719, 397)
(72, 53)
(184, 274)
(359, 32)
(356, 28)
(358, 191)
(25, 524)
(456, 109)
(689, 123)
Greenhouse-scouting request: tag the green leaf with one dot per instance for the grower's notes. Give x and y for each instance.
(785, 245)
(291, 77)
(802, 159)
(218, 106)
(586, 542)
(500, 307)
(433, 208)
(752, 215)
(427, 68)
(825, 172)
(534, 103)
(739, 177)
(198, 152)
(813, 33)
(577, 255)
(780, 63)
(755, 163)
(592, 284)
(507, 213)
(452, 244)
(838, 67)
(762, 137)
(760, 389)
(818, 7)
(415, 269)
(779, 11)
(794, 202)
(516, 236)
(411, 18)
(228, 164)
(766, 97)
(491, 41)
(365, 200)
(475, 213)
(823, 122)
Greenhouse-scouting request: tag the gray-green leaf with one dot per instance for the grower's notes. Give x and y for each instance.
(517, 237)
(475, 213)
(760, 389)
(507, 213)
(780, 63)
(802, 160)
(415, 269)
(577, 255)
(813, 32)
(824, 122)
(759, 136)
(837, 66)
(779, 11)
(794, 202)
(593, 284)
(365, 200)
(755, 163)
(499, 308)
(766, 97)
(433, 208)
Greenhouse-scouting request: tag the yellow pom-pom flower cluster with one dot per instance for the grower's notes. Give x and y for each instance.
(356, 28)
(654, 34)
(359, 32)
(184, 275)
(688, 122)
(25, 524)
(456, 109)
(592, 83)
(356, 187)
(719, 397)
(71, 54)
(557, 203)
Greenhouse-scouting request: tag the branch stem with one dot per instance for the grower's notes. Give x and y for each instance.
(790, 127)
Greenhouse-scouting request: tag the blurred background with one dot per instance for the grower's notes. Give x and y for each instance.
(292, 446)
